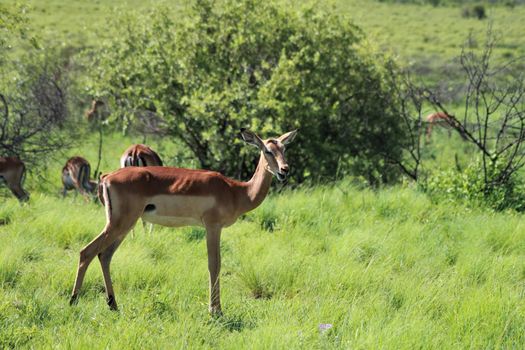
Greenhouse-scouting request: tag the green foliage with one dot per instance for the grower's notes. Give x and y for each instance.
(11, 27)
(34, 108)
(470, 186)
(258, 65)
(455, 2)
(16, 35)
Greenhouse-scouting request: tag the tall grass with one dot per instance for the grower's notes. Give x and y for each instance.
(387, 269)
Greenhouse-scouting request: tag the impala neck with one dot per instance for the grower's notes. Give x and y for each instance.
(257, 188)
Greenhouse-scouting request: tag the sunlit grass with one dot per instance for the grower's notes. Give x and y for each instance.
(420, 34)
(386, 269)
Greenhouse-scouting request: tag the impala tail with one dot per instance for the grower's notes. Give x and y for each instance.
(129, 161)
(83, 178)
(103, 196)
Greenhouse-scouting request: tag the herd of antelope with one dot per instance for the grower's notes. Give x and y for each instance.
(168, 196)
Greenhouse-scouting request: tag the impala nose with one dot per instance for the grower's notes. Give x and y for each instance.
(285, 169)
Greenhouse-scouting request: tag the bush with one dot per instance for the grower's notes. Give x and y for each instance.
(254, 64)
(469, 187)
(34, 109)
(34, 93)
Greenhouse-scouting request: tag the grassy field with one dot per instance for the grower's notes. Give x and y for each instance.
(387, 269)
(390, 268)
(419, 34)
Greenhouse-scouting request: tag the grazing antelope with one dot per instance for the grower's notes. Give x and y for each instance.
(442, 119)
(181, 197)
(92, 113)
(12, 172)
(139, 155)
(75, 176)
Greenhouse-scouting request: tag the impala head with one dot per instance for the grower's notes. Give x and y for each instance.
(96, 103)
(273, 151)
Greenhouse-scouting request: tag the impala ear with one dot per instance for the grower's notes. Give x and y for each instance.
(288, 137)
(252, 139)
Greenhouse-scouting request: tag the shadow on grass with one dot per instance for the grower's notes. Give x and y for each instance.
(195, 234)
(232, 323)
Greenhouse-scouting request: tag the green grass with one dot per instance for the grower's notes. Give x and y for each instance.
(387, 269)
(434, 35)
(419, 34)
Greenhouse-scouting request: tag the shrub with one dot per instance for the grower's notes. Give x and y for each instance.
(254, 64)
(34, 93)
(470, 186)
(34, 109)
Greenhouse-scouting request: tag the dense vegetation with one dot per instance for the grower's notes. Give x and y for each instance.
(266, 67)
(436, 264)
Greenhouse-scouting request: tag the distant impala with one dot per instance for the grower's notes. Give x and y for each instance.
(93, 112)
(444, 120)
(181, 197)
(76, 176)
(12, 172)
(139, 155)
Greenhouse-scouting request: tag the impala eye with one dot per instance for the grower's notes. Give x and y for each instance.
(268, 152)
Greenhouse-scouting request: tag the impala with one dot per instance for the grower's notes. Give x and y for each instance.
(181, 197)
(12, 172)
(139, 155)
(92, 113)
(75, 176)
(444, 120)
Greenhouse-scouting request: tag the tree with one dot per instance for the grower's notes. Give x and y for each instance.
(33, 94)
(254, 64)
(493, 118)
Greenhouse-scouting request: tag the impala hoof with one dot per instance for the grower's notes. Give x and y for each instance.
(73, 300)
(215, 311)
(112, 303)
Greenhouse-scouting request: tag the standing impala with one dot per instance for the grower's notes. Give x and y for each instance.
(12, 172)
(75, 176)
(181, 197)
(139, 155)
(93, 113)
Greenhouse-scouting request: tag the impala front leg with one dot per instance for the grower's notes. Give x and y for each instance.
(213, 239)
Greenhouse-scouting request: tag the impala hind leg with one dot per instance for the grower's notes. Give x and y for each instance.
(105, 261)
(213, 238)
(88, 253)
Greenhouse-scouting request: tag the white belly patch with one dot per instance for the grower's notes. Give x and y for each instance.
(177, 210)
(171, 221)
